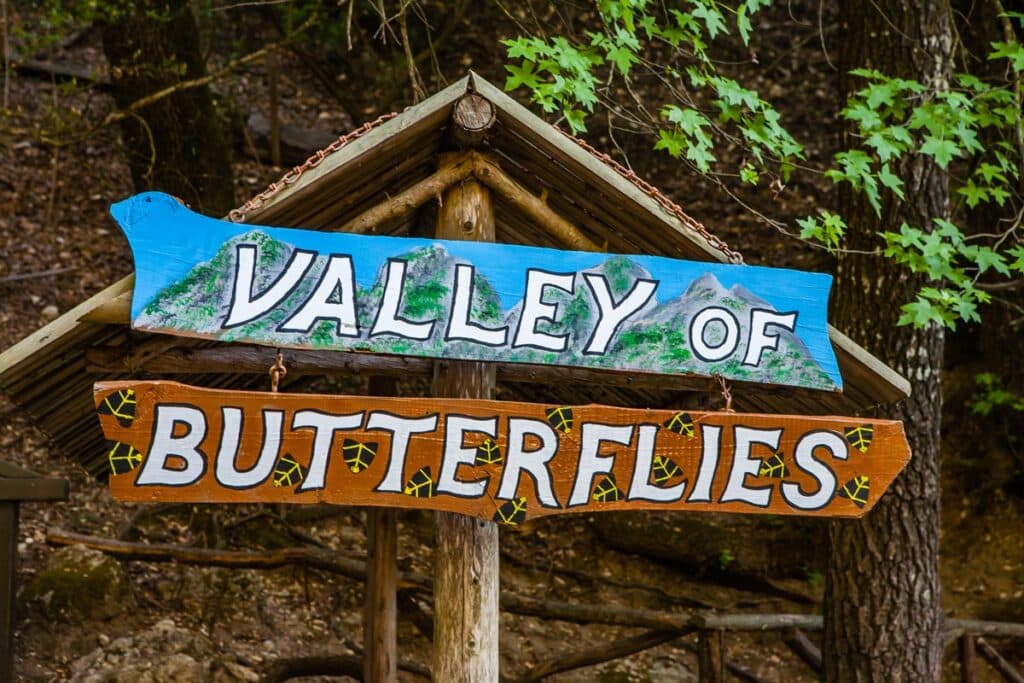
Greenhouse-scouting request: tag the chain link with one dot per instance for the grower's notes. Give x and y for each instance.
(292, 176)
(655, 194)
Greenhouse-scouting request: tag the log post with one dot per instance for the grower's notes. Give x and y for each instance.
(710, 656)
(968, 667)
(380, 607)
(380, 619)
(466, 587)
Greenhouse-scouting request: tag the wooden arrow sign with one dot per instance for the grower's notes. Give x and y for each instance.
(490, 459)
(200, 277)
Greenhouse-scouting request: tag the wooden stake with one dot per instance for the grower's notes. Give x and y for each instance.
(380, 616)
(380, 619)
(8, 585)
(968, 660)
(466, 586)
(711, 656)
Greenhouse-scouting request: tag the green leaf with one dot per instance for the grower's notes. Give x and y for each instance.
(973, 194)
(713, 19)
(1011, 50)
(748, 174)
(891, 181)
(521, 75)
(743, 24)
(942, 150)
(987, 258)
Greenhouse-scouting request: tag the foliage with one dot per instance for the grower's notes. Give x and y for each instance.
(993, 396)
(893, 120)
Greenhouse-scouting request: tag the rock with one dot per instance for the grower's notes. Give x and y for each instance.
(165, 652)
(78, 582)
(50, 312)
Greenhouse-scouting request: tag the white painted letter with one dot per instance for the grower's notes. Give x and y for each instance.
(337, 276)
(459, 325)
(591, 462)
(534, 309)
(401, 429)
(743, 464)
(155, 471)
(612, 315)
(455, 454)
(711, 445)
(805, 460)
(641, 487)
(388, 321)
(699, 326)
(324, 425)
(759, 337)
(244, 308)
(534, 463)
(226, 472)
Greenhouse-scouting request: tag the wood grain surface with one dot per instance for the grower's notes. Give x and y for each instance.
(490, 459)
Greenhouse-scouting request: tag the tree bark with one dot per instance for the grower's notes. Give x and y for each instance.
(178, 144)
(882, 600)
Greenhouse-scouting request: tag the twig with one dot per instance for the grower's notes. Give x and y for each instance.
(418, 93)
(18, 277)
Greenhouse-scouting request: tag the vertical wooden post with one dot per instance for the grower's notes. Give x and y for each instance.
(380, 619)
(8, 585)
(968, 669)
(380, 615)
(466, 585)
(710, 656)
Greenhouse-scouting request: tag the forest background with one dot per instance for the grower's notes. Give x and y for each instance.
(739, 122)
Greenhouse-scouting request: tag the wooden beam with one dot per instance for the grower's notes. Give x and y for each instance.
(802, 647)
(408, 201)
(491, 175)
(998, 662)
(466, 581)
(473, 118)
(254, 360)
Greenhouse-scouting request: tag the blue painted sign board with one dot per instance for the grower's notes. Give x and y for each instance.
(201, 277)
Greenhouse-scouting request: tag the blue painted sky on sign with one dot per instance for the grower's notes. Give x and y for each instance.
(186, 238)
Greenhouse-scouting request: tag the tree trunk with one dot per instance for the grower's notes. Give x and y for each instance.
(882, 600)
(177, 144)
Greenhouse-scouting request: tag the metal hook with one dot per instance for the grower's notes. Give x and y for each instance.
(726, 393)
(277, 371)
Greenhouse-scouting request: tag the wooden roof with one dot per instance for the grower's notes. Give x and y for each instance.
(50, 373)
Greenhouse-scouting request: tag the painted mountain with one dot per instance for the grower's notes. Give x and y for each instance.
(654, 339)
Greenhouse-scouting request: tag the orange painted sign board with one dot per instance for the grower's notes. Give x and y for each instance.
(490, 459)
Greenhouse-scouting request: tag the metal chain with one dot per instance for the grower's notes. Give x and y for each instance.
(292, 176)
(277, 372)
(655, 194)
